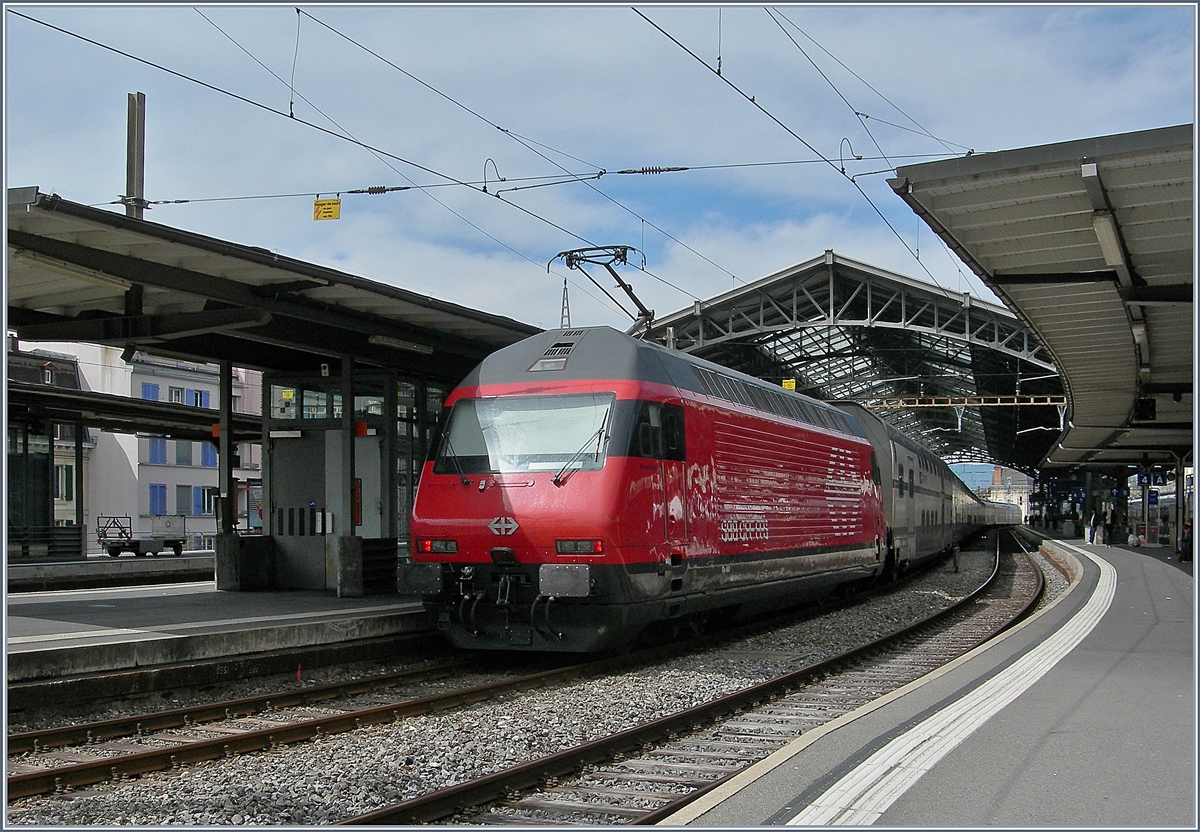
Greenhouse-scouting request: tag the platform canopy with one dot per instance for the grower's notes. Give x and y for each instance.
(77, 273)
(963, 376)
(1091, 244)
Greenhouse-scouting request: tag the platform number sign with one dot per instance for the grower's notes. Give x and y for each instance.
(1156, 478)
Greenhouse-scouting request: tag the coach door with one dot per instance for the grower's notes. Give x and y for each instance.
(674, 486)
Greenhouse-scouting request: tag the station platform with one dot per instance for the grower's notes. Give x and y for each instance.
(1082, 716)
(65, 633)
(102, 571)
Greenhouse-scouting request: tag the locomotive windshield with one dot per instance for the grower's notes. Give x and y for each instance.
(509, 434)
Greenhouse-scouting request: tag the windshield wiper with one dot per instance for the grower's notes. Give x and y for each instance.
(462, 475)
(598, 436)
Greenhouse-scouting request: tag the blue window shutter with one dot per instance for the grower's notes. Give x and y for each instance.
(197, 500)
(158, 499)
(189, 397)
(204, 398)
(149, 391)
(158, 451)
(208, 455)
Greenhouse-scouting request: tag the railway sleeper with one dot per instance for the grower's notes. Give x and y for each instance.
(516, 819)
(691, 768)
(578, 807)
(645, 794)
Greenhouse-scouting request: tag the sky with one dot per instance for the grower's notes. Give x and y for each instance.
(252, 112)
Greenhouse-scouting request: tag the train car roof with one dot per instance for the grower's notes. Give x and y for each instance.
(583, 353)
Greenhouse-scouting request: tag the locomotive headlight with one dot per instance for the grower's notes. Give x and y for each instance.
(579, 547)
(428, 546)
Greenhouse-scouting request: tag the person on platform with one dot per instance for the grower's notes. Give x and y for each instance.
(1093, 524)
(1185, 542)
(1110, 521)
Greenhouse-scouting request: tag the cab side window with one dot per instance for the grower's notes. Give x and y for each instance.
(658, 432)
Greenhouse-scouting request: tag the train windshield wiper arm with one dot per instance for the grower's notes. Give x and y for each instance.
(462, 475)
(598, 437)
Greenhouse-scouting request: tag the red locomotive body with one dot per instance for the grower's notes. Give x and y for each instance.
(587, 486)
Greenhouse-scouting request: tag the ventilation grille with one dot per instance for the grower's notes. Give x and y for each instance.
(560, 349)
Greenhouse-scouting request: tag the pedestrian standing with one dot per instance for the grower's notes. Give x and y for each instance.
(1092, 525)
(1109, 521)
(1185, 542)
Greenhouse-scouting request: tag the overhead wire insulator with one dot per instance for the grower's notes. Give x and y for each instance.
(380, 189)
(655, 169)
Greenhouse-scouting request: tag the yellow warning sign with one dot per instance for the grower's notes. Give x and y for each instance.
(327, 209)
(789, 384)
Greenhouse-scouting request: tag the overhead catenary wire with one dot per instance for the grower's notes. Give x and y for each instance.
(555, 179)
(921, 131)
(295, 58)
(344, 136)
(412, 185)
(519, 139)
(832, 85)
(527, 144)
(863, 117)
(803, 141)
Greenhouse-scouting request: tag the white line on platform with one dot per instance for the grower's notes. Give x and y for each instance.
(863, 795)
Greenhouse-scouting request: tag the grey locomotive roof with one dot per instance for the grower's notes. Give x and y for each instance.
(584, 353)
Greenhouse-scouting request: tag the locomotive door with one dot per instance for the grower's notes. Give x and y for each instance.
(674, 501)
(658, 435)
(674, 486)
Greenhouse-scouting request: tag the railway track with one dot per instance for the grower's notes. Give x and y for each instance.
(49, 761)
(647, 773)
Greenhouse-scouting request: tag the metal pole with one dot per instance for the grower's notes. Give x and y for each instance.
(1146, 506)
(135, 156)
(1180, 506)
(346, 503)
(227, 479)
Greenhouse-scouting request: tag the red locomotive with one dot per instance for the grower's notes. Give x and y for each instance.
(587, 487)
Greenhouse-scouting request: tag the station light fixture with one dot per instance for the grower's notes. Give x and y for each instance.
(397, 344)
(1110, 241)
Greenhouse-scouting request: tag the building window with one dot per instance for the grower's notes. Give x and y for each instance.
(204, 500)
(183, 499)
(208, 455)
(197, 398)
(158, 499)
(149, 391)
(157, 451)
(175, 395)
(48, 371)
(64, 482)
(183, 452)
